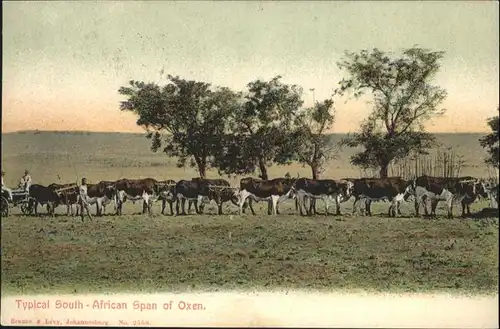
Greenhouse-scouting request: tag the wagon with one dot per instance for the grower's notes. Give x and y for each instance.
(20, 198)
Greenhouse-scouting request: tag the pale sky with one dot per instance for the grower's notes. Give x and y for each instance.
(63, 62)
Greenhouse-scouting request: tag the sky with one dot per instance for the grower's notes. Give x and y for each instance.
(63, 62)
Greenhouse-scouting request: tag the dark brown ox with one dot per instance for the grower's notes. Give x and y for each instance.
(166, 193)
(453, 190)
(101, 194)
(324, 189)
(392, 189)
(217, 190)
(134, 190)
(273, 191)
(68, 195)
(43, 195)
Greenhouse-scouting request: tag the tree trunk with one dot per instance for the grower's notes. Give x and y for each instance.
(315, 171)
(202, 168)
(263, 170)
(384, 170)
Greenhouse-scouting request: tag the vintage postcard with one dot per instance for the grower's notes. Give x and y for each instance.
(250, 163)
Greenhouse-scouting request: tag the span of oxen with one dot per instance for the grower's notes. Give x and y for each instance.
(134, 190)
(43, 195)
(392, 189)
(324, 189)
(273, 191)
(452, 190)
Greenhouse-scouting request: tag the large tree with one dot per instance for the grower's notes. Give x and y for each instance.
(403, 98)
(313, 147)
(491, 141)
(260, 128)
(184, 116)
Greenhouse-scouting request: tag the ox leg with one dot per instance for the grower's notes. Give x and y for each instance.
(368, 204)
(450, 208)
(219, 204)
(325, 200)
(434, 204)
(274, 200)
(243, 198)
(354, 204)
(250, 204)
(178, 205)
(300, 203)
(463, 208)
(311, 209)
(99, 207)
(468, 209)
(170, 203)
(163, 204)
(337, 204)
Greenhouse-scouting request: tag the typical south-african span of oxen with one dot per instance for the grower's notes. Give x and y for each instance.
(464, 190)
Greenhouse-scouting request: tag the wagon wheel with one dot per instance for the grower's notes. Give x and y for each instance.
(28, 206)
(5, 207)
(25, 208)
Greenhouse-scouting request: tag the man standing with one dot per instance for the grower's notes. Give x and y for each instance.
(25, 182)
(5, 188)
(84, 198)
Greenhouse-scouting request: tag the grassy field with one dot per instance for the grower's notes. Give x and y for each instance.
(215, 253)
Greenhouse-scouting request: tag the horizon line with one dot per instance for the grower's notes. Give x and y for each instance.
(137, 133)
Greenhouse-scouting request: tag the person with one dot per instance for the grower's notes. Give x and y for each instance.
(5, 188)
(25, 182)
(84, 198)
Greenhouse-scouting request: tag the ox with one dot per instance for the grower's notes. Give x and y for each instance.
(273, 191)
(324, 189)
(40, 194)
(101, 195)
(200, 191)
(479, 192)
(218, 190)
(68, 195)
(166, 193)
(392, 189)
(453, 190)
(135, 189)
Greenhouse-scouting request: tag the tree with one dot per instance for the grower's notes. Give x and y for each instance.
(185, 116)
(260, 128)
(312, 146)
(403, 99)
(491, 141)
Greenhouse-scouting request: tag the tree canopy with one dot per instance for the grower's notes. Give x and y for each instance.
(261, 128)
(189, 111)
(312, 146)
(403, 98)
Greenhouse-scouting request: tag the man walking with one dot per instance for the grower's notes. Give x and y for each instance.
(84, 199)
